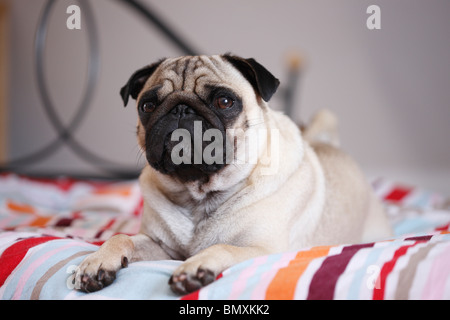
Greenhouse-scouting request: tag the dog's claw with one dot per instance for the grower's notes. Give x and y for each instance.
(124, 262)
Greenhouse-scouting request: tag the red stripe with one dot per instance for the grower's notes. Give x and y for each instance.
(14, 254)
(378, 293)
(97, 243)
(191, 296)
(108, 225)
(398, 194)
(138, 210)
(324, 281)
(443, 228)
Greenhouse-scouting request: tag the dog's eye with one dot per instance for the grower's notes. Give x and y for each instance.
(224, 102)
(148, 107)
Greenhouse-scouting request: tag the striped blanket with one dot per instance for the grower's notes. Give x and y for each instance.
(47, 227)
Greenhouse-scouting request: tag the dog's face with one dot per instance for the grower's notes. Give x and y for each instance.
(189, 99)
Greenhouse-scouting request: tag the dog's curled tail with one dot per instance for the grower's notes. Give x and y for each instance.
(323, 127)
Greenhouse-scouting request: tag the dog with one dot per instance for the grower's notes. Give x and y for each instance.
(299, 191)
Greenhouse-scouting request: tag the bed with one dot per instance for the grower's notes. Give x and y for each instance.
(47, 227)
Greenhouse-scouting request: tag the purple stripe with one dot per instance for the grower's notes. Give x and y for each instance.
(420, 238)
(324, 280)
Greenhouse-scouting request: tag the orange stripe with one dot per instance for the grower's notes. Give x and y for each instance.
(40, 222)
(282, 286)
(20, 208)
(123, 191)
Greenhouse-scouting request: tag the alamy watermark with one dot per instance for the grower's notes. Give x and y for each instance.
(373, 22)
(73, 22)
(239, 146)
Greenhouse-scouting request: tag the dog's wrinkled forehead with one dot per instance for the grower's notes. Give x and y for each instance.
(192, 74)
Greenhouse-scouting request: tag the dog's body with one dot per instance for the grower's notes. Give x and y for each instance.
(300, 194)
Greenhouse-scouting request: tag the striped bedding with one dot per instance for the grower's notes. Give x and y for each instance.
(48, 226)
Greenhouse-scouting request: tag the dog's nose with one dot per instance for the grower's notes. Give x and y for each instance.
(181, 110)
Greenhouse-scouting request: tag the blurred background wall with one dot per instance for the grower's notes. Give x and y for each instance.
(390, 88)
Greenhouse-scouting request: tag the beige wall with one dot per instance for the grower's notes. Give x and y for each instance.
(389, 87)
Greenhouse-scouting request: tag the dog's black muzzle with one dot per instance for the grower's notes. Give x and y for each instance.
(176, 112)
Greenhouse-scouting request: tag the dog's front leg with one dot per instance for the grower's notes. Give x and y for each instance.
(203, 268)
(99, 269)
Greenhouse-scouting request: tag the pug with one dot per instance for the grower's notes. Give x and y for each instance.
(228, 179)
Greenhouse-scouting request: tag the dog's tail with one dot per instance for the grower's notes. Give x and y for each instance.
(322, 128)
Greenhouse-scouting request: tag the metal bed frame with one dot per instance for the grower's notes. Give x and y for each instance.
(65, 133)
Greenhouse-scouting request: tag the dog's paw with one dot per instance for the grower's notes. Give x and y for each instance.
(96, 272)
(187, 279)
(185, 283)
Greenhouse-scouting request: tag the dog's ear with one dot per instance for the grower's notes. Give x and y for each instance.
(137, 81)
(263, 82)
